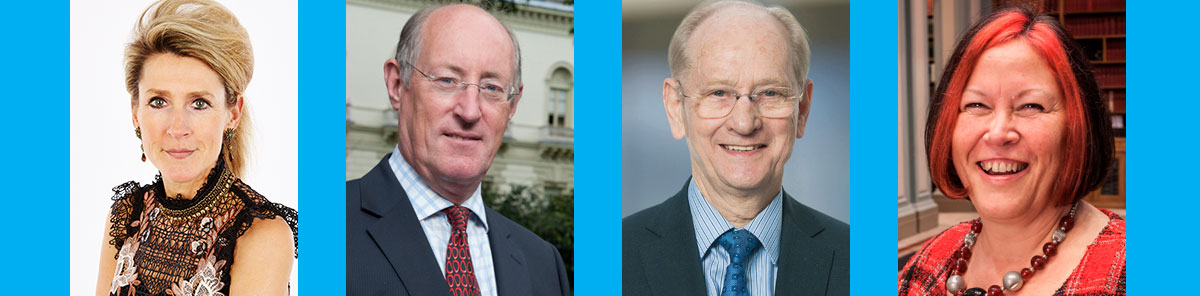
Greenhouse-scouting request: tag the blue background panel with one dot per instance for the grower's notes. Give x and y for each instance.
(597, 148)
(873, 53)
(1161, 63)
(322, 140)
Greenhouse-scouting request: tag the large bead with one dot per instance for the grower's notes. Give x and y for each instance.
(1037, 262)
(995, 290)
(1066, 222)
(1059, 235)
(1049, 248)
(977, 291)
(1013, 281)
(976, 227)
(1026, 272)
(955, 284)
(961, 267)
(964, 253)
(969, 240)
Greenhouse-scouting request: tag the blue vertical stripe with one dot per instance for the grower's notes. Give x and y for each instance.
(598, 145)
(873, 174)
(1160, 195)
(322, 151)
(36, 145)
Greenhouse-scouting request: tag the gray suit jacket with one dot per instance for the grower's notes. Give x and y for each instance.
(660, 257)
(387, 252)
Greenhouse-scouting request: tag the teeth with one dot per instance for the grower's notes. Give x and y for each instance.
(740, 148)
(1002, 166)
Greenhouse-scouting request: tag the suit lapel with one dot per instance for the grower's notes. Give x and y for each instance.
(804, 261)
(398, 233)
(672, 262)
(512, 276)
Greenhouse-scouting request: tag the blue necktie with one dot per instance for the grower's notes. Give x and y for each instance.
(740, 244)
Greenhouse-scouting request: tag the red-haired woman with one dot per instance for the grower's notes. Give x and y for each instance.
(1017, 127)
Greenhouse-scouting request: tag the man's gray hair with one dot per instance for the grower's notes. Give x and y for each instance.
(680, 63)
(408, 49)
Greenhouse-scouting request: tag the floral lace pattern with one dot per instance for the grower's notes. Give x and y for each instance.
(126, 272)
(206, 281)
(183, 247)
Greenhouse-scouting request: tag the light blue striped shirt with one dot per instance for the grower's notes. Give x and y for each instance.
(709, 225)
(428, 205)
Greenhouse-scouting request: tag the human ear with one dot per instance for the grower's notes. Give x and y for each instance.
(512, 105)
(395, 83)
(803, 108)
(672, 102)
(235, 113)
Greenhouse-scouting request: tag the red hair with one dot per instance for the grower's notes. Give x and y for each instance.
(1088, 148)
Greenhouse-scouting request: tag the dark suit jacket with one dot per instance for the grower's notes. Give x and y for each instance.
(660, 256)
(387, 252)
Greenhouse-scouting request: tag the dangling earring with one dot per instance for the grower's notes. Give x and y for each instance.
(138, 133)
(229, 133)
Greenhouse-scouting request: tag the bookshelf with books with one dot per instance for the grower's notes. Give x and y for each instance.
(1099, 27)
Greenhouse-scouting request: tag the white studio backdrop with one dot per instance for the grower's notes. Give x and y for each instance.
(104, 150)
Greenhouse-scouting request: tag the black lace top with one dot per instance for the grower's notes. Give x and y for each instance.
(184, 247)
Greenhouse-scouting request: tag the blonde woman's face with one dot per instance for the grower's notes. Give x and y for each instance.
(182, 114)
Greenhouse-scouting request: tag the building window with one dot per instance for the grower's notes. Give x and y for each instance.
(558, 100)
(558, 107)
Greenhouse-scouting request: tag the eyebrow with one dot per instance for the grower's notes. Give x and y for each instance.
(459, 71)
(1020, 94)
(758, 83)
(198, 93)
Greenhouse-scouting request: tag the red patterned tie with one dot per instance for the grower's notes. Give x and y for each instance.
(460, 274)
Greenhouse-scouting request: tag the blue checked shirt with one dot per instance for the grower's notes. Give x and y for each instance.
(709, 225)
(428, 205)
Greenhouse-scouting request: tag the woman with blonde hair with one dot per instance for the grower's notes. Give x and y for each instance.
(197, 229)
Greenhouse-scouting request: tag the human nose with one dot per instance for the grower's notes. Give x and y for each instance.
(468, 103)
(179, 127)
(744, 119)
(1001, 131)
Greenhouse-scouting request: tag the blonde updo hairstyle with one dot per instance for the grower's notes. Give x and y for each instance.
(207, 31)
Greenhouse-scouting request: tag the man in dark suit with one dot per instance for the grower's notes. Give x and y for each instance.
(740, 95)
(416, 223)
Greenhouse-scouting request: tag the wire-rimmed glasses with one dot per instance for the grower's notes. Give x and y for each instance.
(772, 101)
(491, 90)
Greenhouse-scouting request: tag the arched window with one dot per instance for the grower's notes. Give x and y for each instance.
(559, 98)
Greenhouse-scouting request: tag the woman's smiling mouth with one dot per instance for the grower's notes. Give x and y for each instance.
(1002, 167)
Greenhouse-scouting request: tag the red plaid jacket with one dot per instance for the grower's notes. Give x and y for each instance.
(1100, 272)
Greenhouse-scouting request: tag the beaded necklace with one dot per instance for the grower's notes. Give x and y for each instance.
(1012, 280)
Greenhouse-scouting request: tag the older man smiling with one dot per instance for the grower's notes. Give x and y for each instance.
(416, 223)
(739, 94)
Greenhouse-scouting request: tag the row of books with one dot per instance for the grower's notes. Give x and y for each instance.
(1110, 75)
(1095, 25)
(1085, 5)
(1116, 49)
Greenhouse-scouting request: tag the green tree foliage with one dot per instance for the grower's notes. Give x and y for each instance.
(551, 217)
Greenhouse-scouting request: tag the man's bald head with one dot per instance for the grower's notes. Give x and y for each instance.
(737, 13)
(446, 20)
